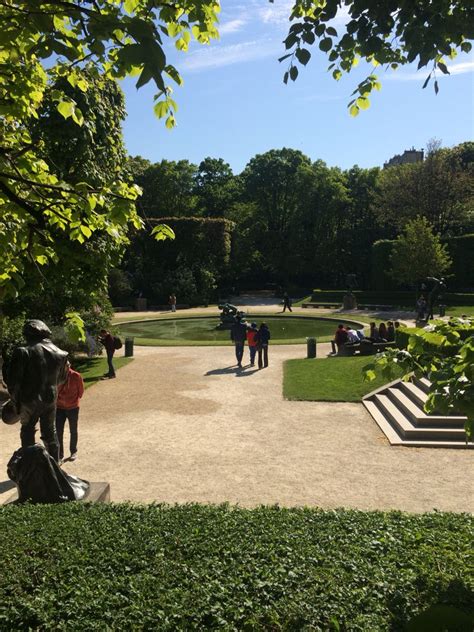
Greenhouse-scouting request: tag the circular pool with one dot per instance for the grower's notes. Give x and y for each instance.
(203, 331)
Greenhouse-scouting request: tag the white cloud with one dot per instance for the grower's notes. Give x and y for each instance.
(454, 69)
(218, 56)
(276, 13)
(232, 26)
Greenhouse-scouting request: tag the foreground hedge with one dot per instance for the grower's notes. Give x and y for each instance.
(124, 567)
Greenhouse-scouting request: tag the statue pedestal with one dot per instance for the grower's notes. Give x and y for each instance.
(97, 493)
(349, 302)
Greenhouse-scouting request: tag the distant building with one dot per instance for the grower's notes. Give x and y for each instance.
(408, 156)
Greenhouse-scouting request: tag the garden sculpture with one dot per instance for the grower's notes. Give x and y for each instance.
(438, 286)
(32, 379)
(228, 316)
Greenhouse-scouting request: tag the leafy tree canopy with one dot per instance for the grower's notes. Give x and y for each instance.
(418, 253)
(43, 41)
(390, 34)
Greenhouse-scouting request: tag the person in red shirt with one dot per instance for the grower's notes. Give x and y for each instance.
(252, 341)
(340, 338)
(69, 395)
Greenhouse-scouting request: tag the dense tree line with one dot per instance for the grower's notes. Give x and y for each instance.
(303, 223)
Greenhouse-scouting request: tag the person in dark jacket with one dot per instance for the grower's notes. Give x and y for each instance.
(238, 335)
(107, 340)
(286, 302)
(263, 340)
(32, 379)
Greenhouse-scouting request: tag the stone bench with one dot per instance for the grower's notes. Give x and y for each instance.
(364, 347)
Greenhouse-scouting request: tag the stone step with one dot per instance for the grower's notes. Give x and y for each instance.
(396, 440)
(407, 431)
(423, 383)
(416, 394)
(417, 415)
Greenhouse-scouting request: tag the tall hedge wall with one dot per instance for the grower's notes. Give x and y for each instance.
(190, 265)
(461, 274)
(461, 250)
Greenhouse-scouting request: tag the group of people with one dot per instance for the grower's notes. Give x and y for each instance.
(347, 335)
(257, 339)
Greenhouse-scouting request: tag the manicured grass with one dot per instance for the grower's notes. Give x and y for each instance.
(194, 567)
(328, 379)
(92, 369)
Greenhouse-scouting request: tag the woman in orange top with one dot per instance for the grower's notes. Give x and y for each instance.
(252, 341)
(69, 395)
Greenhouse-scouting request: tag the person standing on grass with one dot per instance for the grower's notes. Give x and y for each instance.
(107, 340)
(67, 408)
(263, 340)
(252, 341)
(238, 335)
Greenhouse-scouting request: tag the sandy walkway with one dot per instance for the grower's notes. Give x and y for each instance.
(181, 424)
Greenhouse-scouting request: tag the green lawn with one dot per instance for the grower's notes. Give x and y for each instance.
(92, 369)
(328, 379)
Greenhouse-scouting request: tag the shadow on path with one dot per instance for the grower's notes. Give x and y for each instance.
(238, 372)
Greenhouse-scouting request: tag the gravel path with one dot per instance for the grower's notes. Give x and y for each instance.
(182, 424)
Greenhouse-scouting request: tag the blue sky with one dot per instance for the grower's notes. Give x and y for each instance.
(233, 103)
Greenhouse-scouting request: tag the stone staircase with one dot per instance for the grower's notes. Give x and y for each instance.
(398, 410)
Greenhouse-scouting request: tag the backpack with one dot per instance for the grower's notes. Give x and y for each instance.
(117, 343)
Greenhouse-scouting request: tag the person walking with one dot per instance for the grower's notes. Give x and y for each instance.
(107, 340)
(286, 302)
(172, 302)
(238, 335)
(263, 340)
(67, 409)
(252, 341)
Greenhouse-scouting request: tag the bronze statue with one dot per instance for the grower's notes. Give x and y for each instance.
(438, 286)
(33, 375)
(229, 315)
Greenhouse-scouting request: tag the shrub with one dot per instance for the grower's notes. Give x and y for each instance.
(192, 567)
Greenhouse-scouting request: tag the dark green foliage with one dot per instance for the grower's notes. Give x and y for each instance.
(93, 152)
(396, 298)
(461, 250)
(204, 567)
(189, 266)
(381, 266)
(461, 275)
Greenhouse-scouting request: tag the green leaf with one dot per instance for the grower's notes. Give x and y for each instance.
(363, 103)
(337, 74)
(162, 232)
(66, 108)
(161, 109)
(303, 55)
(293, 73)
(354, 110)
(325, 44)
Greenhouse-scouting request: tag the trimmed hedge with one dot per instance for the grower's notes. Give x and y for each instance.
(461, 273)
(461, 250)
(397, 298)
(194, 567)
